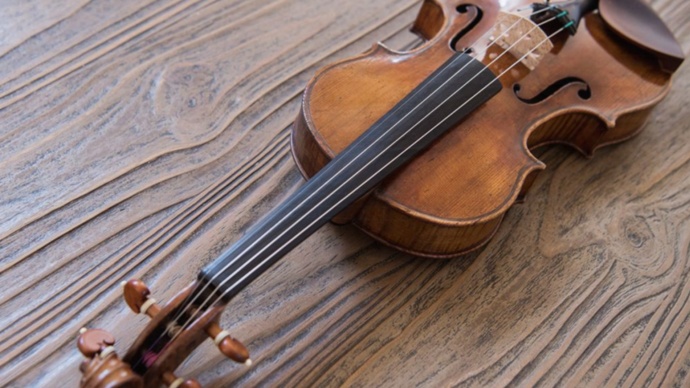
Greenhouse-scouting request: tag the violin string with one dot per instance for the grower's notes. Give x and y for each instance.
(193, 316)
(375, 141)
(363, 183)
(358, 187)
(186, 305)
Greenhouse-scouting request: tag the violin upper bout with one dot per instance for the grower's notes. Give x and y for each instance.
(451, 198)
(602, 96)
(455, 24)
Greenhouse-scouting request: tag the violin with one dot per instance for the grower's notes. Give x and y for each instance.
(423, 150)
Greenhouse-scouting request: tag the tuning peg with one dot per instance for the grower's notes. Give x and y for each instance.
(230, 347)
(173, 381)
(138, 298)
(103, 368)
(95, 342)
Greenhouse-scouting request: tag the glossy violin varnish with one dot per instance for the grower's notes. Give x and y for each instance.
(450, 200)
(226, 193)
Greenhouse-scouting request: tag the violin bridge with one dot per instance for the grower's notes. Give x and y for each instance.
(519, 35)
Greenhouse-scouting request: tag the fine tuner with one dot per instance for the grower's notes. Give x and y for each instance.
(425, 151)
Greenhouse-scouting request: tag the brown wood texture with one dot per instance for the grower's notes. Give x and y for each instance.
(141, 138)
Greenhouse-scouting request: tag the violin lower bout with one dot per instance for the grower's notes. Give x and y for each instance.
(428, 235)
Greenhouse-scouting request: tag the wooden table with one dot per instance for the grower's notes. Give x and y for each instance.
(116, 117)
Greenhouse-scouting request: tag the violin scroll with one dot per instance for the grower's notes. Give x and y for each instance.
(139, 300)
(450, 198)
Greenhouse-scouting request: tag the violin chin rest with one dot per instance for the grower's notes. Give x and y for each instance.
(637, 23)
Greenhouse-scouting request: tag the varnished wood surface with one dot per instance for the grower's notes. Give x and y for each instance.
(450, 198)
(141, 138)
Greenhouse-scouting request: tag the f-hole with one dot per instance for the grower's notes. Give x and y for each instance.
(584, 93)
(464, 9)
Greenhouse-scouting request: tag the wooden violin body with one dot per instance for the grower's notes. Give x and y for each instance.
(592, 90)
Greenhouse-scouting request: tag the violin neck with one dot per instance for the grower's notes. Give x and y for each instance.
(434, 107)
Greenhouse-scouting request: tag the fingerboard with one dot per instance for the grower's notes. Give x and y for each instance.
(435, 106)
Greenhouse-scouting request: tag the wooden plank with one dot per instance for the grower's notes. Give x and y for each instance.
(140, 139)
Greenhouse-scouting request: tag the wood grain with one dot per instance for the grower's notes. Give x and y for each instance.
(141, 138)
